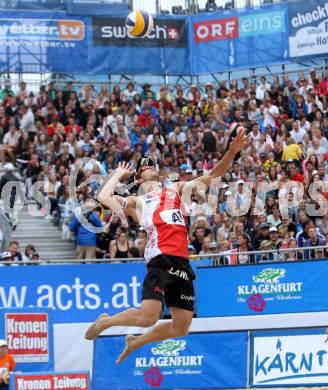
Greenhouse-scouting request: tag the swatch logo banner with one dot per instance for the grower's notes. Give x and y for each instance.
(239, 27)
(166, 33)
(41, 29)
(308, 28)
(289, 358)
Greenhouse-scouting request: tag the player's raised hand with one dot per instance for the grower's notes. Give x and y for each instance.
(240, 141)
(124, 169)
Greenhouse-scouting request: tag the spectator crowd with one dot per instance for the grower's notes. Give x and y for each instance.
(185, 132)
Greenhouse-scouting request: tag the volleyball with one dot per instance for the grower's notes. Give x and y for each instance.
(139, 23)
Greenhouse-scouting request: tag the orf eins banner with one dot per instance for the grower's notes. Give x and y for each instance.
(50, 380)
(246, 38)
(29, 336)
(43, 41)
(308, 28)
(75, 293)
(263, 289)
(199, 361)
(296, 357)
(164, 51)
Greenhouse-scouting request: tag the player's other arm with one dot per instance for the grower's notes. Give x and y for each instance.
(238, 143)
(121, 206)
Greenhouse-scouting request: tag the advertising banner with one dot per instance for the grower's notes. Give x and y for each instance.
(289, 358)
(164, 51)
(29, 336)
(308, 28)
(75, 293)
(249, 38)
(200, 360)
(263, 289)
(40, 41)
(50, 380)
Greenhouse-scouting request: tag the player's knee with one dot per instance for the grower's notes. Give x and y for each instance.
(182, 330)
(147, 320)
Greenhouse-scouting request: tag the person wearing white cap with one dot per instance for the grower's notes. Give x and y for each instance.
(7, 365)
(275, 241)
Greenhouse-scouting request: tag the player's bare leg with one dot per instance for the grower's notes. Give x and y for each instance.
(144, 317)
(177, 327)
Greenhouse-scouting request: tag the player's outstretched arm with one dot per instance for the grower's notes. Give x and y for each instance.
(238, 143)
(119, 205)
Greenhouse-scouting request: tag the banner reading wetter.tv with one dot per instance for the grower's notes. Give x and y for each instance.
(43, 41)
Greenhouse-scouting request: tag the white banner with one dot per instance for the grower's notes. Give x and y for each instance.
(290, 359)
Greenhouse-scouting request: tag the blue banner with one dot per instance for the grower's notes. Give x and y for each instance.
(43, 42)
(308, 28)
(246, 38)
(263, 289)
(56, 41)
(164, 51)
(29, 336)
(291, 357)
(200, 360)
(76, 293)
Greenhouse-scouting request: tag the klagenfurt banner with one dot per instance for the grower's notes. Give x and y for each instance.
(198, 361)
(271, 288)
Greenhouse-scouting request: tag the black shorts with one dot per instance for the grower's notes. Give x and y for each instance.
(169, 279)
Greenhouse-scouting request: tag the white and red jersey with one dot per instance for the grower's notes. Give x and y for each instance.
(164, 222)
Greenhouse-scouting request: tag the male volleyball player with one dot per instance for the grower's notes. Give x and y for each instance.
(169, 276)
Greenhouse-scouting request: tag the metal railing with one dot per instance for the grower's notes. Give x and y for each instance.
(278, 255)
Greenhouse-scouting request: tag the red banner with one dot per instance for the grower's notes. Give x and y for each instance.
(216, 30)
(27, 336)
(69, 381)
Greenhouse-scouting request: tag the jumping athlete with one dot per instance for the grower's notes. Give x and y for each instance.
(169, 276)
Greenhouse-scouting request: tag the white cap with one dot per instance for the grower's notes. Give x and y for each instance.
(240, 182)
(3, 343)
(9, 166)
(273, 229)
(225, 185)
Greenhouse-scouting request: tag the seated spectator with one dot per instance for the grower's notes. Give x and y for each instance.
(198, 238)
(28, 253)
(244, 245)
(292, 255)
(268, 255)
(262, 234)
(12, 253)
(119, 248)
(206, 249)
(314, 241)
(275, 241)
